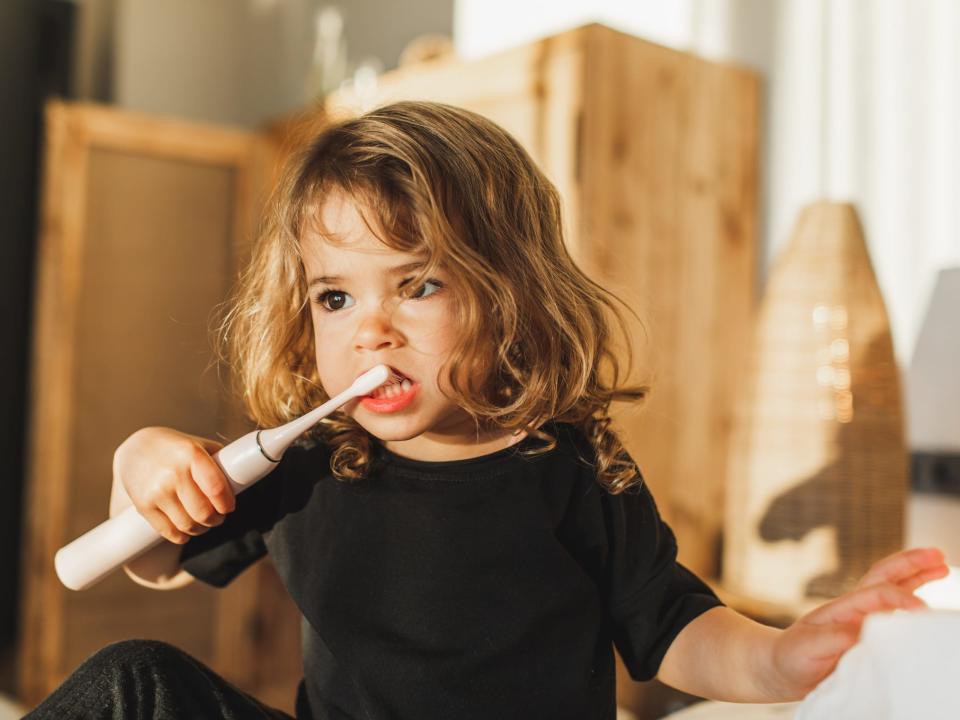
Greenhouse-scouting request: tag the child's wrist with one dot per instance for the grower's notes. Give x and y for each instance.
(774, 685)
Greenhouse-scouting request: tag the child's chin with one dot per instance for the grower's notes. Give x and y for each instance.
(388, 427)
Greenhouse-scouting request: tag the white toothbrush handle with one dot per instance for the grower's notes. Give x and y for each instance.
(117, 541)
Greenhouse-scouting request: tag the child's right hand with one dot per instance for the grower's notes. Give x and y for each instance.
(173, 482)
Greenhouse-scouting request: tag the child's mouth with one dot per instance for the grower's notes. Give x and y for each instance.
(393, 396)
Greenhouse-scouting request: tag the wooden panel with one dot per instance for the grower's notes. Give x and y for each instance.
(499, 87)
(669, 205)
(142, 221)
(155, 261)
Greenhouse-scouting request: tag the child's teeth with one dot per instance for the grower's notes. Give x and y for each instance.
(393, 389)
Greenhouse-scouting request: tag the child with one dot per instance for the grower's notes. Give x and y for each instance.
(472, 540)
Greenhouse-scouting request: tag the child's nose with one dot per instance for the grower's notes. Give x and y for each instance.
(376, 331)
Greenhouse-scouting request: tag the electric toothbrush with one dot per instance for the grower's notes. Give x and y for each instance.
(117, 541)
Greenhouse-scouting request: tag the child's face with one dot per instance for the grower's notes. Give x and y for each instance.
(360, 319)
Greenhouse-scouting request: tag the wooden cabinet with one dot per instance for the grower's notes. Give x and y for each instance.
(145, 223)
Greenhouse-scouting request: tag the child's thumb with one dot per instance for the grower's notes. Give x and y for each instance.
(209, 444)
(212, 446)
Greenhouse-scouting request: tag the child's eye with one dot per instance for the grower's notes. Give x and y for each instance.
(333, 300)
(421, 293)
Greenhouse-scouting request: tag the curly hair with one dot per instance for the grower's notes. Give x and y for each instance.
(536, 338)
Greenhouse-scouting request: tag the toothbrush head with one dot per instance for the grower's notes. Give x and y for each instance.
(370, 380)
(275, 441)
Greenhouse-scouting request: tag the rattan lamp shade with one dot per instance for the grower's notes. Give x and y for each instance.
(818, 464)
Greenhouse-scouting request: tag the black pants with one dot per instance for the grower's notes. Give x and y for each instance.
(140, 679)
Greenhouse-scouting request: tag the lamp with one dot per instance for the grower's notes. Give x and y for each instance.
(818, 461)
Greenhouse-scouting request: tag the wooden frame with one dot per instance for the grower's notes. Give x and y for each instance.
(73, 133)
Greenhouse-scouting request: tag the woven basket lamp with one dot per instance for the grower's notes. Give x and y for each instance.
(818, 464)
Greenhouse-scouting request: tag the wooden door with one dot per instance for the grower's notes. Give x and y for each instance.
(145, 222)
(669, 218)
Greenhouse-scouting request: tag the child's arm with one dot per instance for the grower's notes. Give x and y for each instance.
(180, 491)
(722, 655)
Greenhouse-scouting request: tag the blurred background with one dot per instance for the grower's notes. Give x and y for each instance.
(773, 185)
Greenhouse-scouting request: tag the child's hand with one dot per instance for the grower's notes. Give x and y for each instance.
(808, 651)
(173, 482)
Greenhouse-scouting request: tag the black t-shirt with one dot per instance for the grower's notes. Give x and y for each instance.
(493, 587)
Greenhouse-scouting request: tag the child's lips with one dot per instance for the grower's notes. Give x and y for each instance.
(393, 402)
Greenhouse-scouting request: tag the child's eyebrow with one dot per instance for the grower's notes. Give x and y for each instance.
(399, 269)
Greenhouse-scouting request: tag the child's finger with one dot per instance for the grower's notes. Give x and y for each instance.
(161, 523)
(211, 481)
(854, 606)
(181, 521)
(197, 504)
(924, 577)
(902, 566)
(208, 444)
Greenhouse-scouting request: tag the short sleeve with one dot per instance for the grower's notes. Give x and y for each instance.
(223, 552)
(652, 596)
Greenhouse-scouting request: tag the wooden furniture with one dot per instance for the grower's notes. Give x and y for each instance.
(145, 222)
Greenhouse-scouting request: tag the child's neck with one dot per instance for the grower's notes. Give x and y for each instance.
(442, 448)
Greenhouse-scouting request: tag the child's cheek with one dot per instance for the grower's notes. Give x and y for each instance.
(324, 355)
(435, 321)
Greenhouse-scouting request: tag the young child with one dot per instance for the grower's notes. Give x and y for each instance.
(471, 541)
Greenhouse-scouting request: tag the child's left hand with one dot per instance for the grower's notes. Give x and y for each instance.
(808, 651)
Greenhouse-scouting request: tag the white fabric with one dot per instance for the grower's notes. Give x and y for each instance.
(715, 710)
(904, 667)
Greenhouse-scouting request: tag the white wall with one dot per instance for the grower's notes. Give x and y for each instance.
(181, 58)
(243, 61)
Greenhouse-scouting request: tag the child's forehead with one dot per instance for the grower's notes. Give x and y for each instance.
(341, 232)
(331, 244)
(335, 258)
(358, 254)
(338, 219)
(364, 255)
